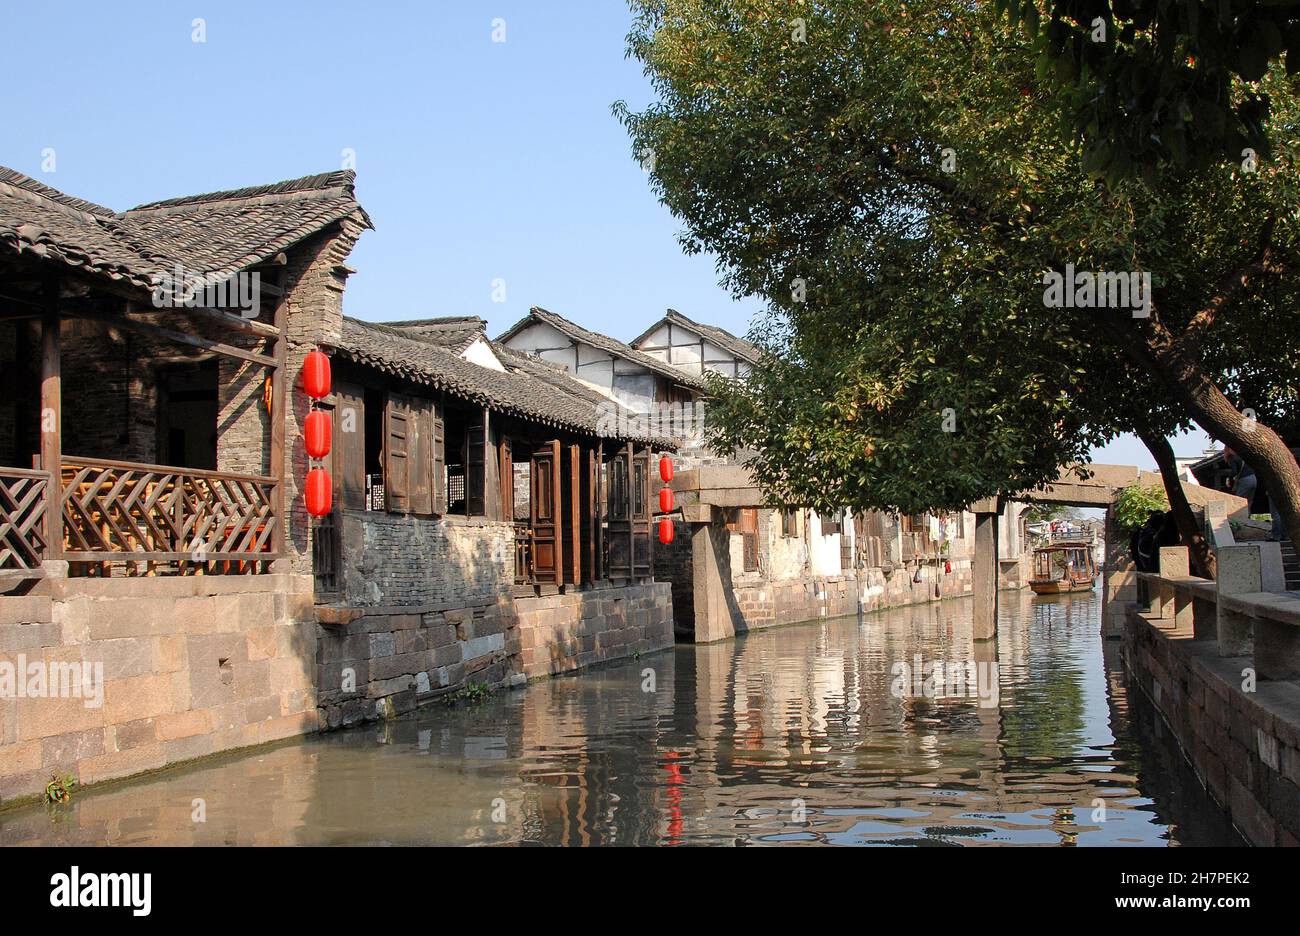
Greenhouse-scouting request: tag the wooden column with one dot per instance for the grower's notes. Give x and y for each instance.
(279, 411)
(51, 418)
(631, 514)
(575, 512)
(557, 508)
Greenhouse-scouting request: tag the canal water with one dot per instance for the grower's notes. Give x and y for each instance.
(837, 732)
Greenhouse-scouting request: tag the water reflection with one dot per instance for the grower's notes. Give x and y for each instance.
(788, 736)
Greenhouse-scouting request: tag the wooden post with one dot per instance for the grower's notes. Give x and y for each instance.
(51, 418)
(575, 511)
(557, 508)
(631, 514)
(279, 410)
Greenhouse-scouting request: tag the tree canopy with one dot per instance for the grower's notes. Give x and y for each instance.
(895, 180)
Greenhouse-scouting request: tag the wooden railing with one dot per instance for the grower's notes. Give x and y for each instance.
(154, 513)
(22, 518)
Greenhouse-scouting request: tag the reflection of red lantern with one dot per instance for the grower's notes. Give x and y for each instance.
(665, 500)
(665, 531)
(318, 492)
(666, 468)
(947, 567)
(316, 433)
(316, 375)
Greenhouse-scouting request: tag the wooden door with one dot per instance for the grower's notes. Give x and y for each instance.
(546, 506)
(619, 510)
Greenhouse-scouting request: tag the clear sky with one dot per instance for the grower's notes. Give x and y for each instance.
(478, 160)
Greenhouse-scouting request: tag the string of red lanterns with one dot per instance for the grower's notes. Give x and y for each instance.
(318, 489)
(666, 529)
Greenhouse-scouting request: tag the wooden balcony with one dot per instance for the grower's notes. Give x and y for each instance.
(141, 519)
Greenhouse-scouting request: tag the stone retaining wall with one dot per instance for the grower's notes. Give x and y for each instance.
(1244, 746)
(190, 665)
(562, 633)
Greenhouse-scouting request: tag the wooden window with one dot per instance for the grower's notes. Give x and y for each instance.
(789, 523)
(831, 524)
(748, 527)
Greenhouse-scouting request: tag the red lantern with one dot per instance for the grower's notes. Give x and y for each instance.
(666, 468)
(316, 433)
(665, 531)
(316, 375)
(319, 492)
(947, 567)
(665, 500)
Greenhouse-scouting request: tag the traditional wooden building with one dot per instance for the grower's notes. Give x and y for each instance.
(153, 527)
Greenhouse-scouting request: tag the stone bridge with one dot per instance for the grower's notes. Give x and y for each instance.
(703, 491)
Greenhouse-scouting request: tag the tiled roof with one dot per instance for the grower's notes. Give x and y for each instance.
(603, 342)
(745, 350)
(214, 235)
(521, 390)
(455, 333)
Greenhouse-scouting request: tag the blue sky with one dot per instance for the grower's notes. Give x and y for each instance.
(478, 160)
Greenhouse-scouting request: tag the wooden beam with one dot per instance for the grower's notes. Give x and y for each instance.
(228, 319)
(51, 419)
(168, 334)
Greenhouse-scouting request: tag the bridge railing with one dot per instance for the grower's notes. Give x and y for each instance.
(1248, 612)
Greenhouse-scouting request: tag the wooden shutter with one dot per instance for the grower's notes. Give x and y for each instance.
(749, 537)
(349, 446)
(545, 500)
(642, 542)
(397, 456)
(420, 447)
(438, 460)
(476, 467)
(619, 542)
(507, 473)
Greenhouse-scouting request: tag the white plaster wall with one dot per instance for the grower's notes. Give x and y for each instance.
(824, 551)
(480, 353)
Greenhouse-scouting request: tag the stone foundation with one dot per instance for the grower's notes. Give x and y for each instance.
(191, 666)
(1244, 746)
(563, 633)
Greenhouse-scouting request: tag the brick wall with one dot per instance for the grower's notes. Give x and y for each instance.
(393, 559)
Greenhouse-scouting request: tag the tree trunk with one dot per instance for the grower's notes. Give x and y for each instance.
(1261, 447)
(1192, 534)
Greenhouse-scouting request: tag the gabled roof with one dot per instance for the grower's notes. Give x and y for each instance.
(214, 235)
(605, 343)
(455, 332)
(747, 351)
(520, 390)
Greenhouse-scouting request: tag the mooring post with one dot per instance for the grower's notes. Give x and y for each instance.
(984, 569)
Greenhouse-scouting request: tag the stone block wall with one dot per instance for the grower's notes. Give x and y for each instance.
(191, 666)
(1244, 746)
(390, 659)
(562, 633)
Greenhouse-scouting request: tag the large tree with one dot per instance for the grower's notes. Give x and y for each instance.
(896, 182)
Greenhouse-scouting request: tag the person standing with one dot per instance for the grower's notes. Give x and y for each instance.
(1244, 482)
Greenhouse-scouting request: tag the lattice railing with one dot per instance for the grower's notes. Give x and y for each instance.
(162, 514)
(22, 518)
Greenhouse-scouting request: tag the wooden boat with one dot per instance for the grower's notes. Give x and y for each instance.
(1064, 565)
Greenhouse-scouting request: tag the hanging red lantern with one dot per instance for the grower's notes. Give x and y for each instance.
(316, 375)
(665, 500)
(319, 492)
(666, 469)
(316, 432)
(666, 531)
